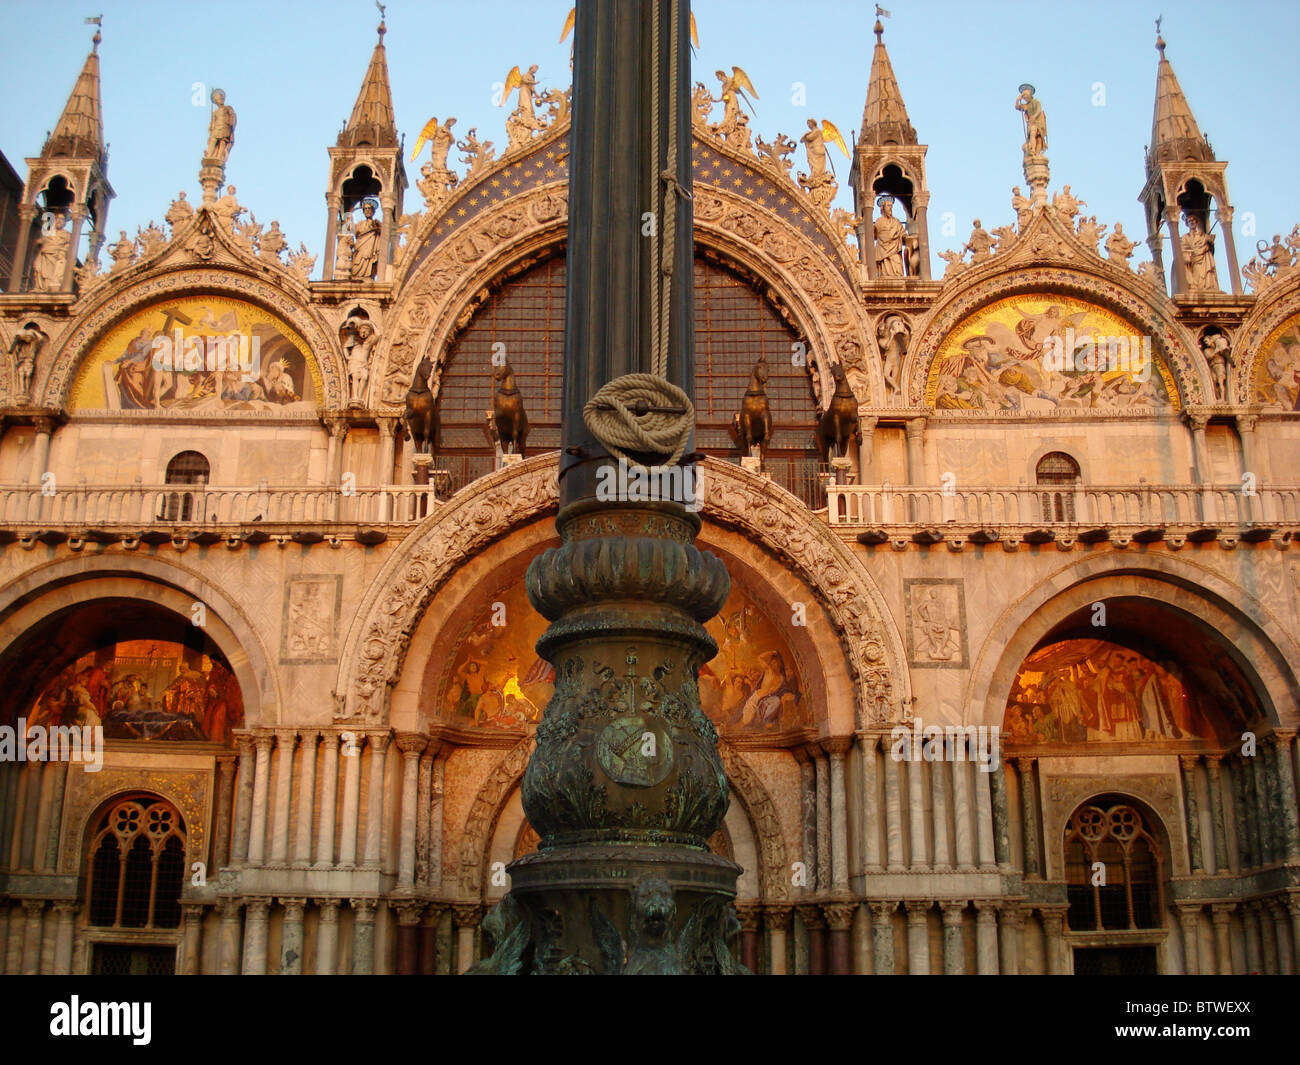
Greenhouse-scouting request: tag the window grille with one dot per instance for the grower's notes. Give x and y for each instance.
(1116, 836)
(1057, 468)
(137, 865)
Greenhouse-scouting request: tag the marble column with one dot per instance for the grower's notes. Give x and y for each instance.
(986, 937)
(306, 799)
(225, 812)
(32, 931)
(1029, 815)
(429, 938)
(5, 912)
(228, 943)
(1189, 919)
(1257, 774)
(882, 936)
(412, 745)
(750, 915)
(916, 812)
(26, 224)
(915, 454)
(363, 936)
(808, 817)
(56, 778)
(65, 916)
(256, 921)
(893, 814)
(14, 941)
(243, 800)
(466, 918)
(918, 936)
(1201, 453)
(1278, 918)
(41, 448)
(192, 939)
(291, 936)
(329, 798)
(939, 810)
(822, 775)
(777, 920)
(1293, 912)
(1243, 821)
(327, 936)
(23, 851)
(839, 920)
(867, 746)
(352, 746)
(836, 750)
(387, 460)
(285, 742)
(954, 945)
(378, 745)
(866, 442)
(261, 792)
(1267, 936)
(1001, 816)
(1216, 814)
(1221, 915)
(1054, 933)
(1188, 763)
(423, 813)
(815, 925)
(1250, 924)
(409, 915)
(988, 860)
(961, 813)
(1281, 743)
(438, 768)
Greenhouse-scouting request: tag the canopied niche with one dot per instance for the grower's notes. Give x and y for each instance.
(1042, 353)
(198, 353)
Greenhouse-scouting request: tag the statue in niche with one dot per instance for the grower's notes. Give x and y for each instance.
(1031, 109)
(893, 336)
(1023, 206)
(51, 255)
(221, 129)
(358, 337)
(980, 244)
(1215, 347)
(1119, 249)
(1198, 256)
(27, 344)
(365, 244)
(890, 234)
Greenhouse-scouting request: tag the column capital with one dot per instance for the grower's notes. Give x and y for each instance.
(750, 915)
(986, 911)
(1198, 422)
(1053, 918)
(387, 426)
(411, 743)
(379, 740)
(294, 908)
(71, 906)
(777, 916)
(337, 425)
(1221, 912)
(917, 909)
(466, 914)
(1281, 737)
(228, 907)
(882, 909)
(839, 914)
(31, 907)
(868, 741)
(329, 909)
(192, 910)
(364, 909)
(868, 423)
(226, 761)
(257, 905)
(1012, 914)
(263, 741)
(1189, 911)
(837, 746)
(915, 426)
(1189, 762)
(433, 912)
(801, 754)
(409, 912)
(1025, 765)
(952, 910)
(286, 737)
(811, 913)
(44, 424)
(1246, 422)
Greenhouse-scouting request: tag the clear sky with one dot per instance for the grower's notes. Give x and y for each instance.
(291, 69)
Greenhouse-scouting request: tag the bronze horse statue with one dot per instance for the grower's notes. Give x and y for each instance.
(421, 417)
(838, 423)
(752, 424)
(508, 411)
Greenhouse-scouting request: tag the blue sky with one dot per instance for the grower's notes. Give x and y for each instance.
(292, 68)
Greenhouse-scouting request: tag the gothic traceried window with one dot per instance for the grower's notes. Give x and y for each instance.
(1113, 869)
(137, 864)
(1057, 468)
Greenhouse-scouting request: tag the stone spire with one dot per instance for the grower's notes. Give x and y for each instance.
(1175, 136)
(79, 132)
(372, 123)
(884, 118)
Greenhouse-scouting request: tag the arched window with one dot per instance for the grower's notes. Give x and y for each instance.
(1113, 869)
(189, 467)
(1058, 469)
(137, 864)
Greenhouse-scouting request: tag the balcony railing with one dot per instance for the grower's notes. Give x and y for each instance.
(138, 506)
(1080, 506)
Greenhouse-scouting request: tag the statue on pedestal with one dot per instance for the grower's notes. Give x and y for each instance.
(1035, 124)
(221, 130)
(27, 344)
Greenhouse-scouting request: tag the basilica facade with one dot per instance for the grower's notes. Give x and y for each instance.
(1007, 676)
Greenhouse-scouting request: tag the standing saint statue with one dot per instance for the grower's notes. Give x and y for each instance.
(51, 255)
(1035, 123)
(890, 233)
(1198, 256)
(365, 246)
(221, 129)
